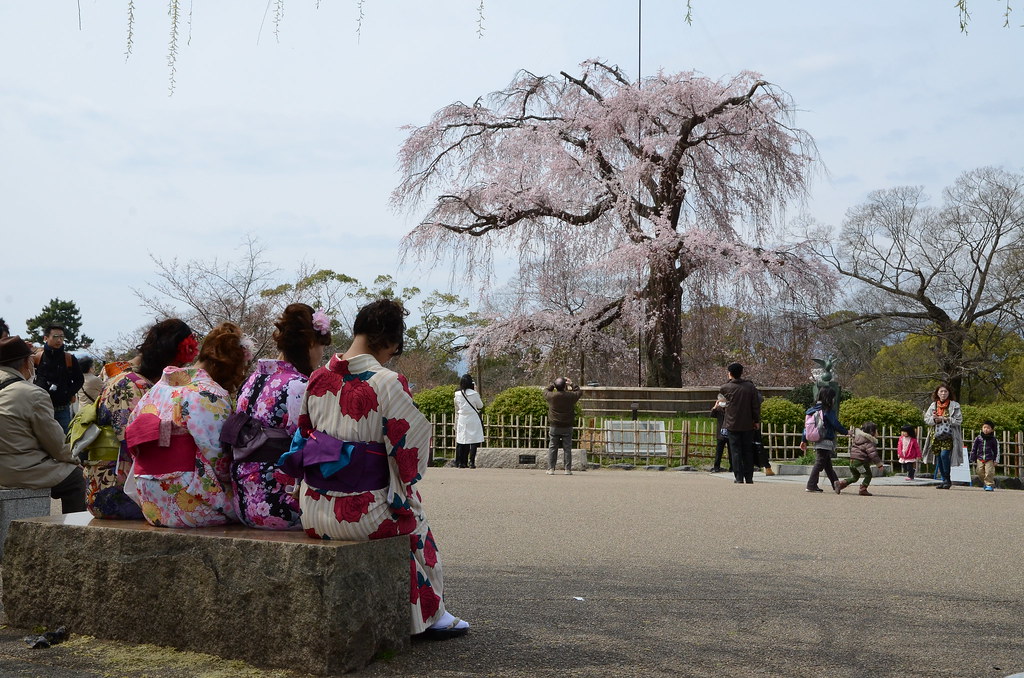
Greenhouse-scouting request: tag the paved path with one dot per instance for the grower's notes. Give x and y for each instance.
(643, 573)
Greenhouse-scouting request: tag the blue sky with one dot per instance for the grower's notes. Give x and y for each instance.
(294, 140)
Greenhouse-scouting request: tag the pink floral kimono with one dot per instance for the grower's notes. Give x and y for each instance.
(180, 471)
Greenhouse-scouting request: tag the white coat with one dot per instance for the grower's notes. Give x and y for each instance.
(468, 427)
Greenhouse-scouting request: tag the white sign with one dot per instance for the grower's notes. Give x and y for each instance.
(961, 473)
(635, 437)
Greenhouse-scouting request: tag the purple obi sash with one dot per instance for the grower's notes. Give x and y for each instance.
(327, 463)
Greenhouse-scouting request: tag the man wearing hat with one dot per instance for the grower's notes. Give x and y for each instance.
(33, 454)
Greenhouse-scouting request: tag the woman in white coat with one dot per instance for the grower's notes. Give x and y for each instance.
(469, 427)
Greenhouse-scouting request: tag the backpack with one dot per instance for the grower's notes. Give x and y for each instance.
(814, 426)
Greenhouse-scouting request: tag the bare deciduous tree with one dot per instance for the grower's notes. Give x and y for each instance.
(938, 272)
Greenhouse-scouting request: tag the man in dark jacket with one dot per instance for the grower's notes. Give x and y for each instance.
(58, 374)
(561, 395)
(742, 418)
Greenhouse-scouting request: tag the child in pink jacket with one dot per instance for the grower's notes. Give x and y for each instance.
(909, 451)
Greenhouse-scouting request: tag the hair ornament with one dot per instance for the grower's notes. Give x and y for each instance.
(188, 349)
(249, 346)
(322, 322)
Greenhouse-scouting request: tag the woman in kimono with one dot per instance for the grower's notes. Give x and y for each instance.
(272, 395)
(361, 448)
(169, 342)
(181, 472)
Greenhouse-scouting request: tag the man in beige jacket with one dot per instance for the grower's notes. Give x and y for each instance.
(33, 453)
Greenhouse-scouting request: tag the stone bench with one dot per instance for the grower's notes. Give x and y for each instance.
(270, 598)
(16, 502)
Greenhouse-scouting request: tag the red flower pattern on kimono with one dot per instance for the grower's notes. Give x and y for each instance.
(429, 550)
(396, 430)
(310, 532)
(358, 399)
(305, 425)
(414, 590)
(406, 520)
(324, 381)
(312, 494)
(388, 528)
(405, 384)
(429, 602)
(408, 464)
(350, 509)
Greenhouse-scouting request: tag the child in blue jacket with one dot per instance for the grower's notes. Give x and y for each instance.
(824, 448)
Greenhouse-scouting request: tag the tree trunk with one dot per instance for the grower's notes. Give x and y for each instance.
(662, 342)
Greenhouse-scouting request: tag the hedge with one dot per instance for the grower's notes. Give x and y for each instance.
(436, 401)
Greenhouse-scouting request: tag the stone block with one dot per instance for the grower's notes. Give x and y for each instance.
(508, 457)
(16, 502)
(273, 599)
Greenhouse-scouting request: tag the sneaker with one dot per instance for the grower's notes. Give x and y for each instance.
(909, 479)
(716, 470)
(838, 487)
(550, 471)
(813, 489)
(864, 492)
(940, 486)
(989, 488)
(568, 471)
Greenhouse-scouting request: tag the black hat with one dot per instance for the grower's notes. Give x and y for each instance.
(13, 348)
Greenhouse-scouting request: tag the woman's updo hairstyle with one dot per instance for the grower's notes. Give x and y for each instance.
(160, 347)
(295, 335)
(223, 356)
(382, 322)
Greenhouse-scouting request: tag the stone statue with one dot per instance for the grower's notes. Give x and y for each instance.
(824, 375)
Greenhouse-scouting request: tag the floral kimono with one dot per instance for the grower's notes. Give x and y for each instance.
(263, 492)
(181, 473)
(105, 497)
(361, 432)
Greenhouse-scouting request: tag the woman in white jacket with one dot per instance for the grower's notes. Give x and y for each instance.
(469, 427)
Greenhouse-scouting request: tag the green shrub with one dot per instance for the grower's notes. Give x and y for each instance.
(523, 401)
(436, 401)
(885, 413)
(519, 401)
(781, 411)
(1006, 416)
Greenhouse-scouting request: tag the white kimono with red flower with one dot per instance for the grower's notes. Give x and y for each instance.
(358, 400)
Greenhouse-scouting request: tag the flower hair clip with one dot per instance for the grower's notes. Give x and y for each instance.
(249, 346)
(322, 322)
(188, 350)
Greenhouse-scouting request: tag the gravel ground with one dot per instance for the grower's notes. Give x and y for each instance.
(642, 573)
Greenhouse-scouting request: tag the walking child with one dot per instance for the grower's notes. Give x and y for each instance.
(985, 451)
(824, 439)
(909, 451)
(863, 453)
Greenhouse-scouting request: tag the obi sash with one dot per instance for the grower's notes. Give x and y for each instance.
(159, 446)
(327, 463)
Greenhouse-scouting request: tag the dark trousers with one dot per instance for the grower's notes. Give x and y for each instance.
(723, 445)
(822, 462)
(741, 445)
(465, 452)
(71, 492)
(910, 468)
